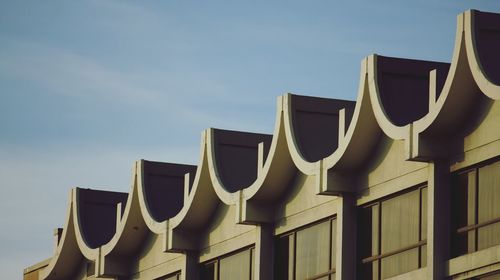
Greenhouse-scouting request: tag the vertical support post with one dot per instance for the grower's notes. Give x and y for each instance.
(191, 267)
(264, 252)
(438, 217)
(346, 238)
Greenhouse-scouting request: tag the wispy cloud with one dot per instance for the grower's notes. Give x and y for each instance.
(64, 72)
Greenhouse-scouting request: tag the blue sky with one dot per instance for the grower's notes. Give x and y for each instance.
(87, 87)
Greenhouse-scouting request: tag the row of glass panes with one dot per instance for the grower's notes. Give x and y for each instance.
(307, 253)
(392, 234)
(237, 265)
(475, 215)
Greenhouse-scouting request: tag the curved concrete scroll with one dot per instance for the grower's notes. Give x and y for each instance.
(143, 214)
(68, 256)
(199, 205)
(482, 41)
(229, 162)
(461, 90)
(355, 143)
(96, 217)
(393, 93)
(161, 188)
(312, 127)
(91, 222)
(131, 231)
(233, 160)
(274, 173)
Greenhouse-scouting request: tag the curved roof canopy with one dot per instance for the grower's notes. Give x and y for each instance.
(421, 103)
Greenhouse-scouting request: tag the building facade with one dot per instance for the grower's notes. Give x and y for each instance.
(403, 183)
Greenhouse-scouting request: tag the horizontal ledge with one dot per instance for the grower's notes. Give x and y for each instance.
(329, 272)
(388, 254)
(472, 227)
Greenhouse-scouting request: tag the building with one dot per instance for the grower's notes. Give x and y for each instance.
(403, 183)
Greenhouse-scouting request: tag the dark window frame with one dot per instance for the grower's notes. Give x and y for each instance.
(177, 274)
(216, 261)
(422, 242)
(469, 234)
(293, 234)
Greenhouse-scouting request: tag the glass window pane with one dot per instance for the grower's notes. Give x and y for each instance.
(207, 271)
(400, 263)
(311, 256)
(423, 256)
(400, 221)
(488, 236)
(375, 230)
(235, 266)
(459, 213)
(488, 206)
(490, 277)
(423, 222)
(400, 228)
(283, 257)
(365, 240)
(334, 244)
(252, 266)
(423, 250)
(171, 277)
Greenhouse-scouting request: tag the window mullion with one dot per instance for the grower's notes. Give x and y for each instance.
(472, 210)
(293, 265)
(217, 270)
(330, 248)
(378, 238)
(420, 221)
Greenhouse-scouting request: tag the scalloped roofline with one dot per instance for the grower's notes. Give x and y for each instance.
(67, 253)
(284, 159)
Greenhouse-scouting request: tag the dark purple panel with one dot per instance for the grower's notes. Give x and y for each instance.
(164, 188)
(316, 124)
(404, 87)
(98, 215)
(487, 30)
(236, 154)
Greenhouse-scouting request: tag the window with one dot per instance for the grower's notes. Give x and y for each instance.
(490, 276)
(308, 253)
(234, 266)
(392, 235)
(475, 215)
(173, 276)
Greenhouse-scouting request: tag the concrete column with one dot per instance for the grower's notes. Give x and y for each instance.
(191, 267)
(264, 252)
(346, 237)
(438, 219)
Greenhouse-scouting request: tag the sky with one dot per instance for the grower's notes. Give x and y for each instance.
(88, 87)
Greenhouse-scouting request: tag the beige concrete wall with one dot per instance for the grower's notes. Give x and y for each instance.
(301, 205)
(390, 172)
(223, 235)
(152, 262)
(389, 163)
(480, 142)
